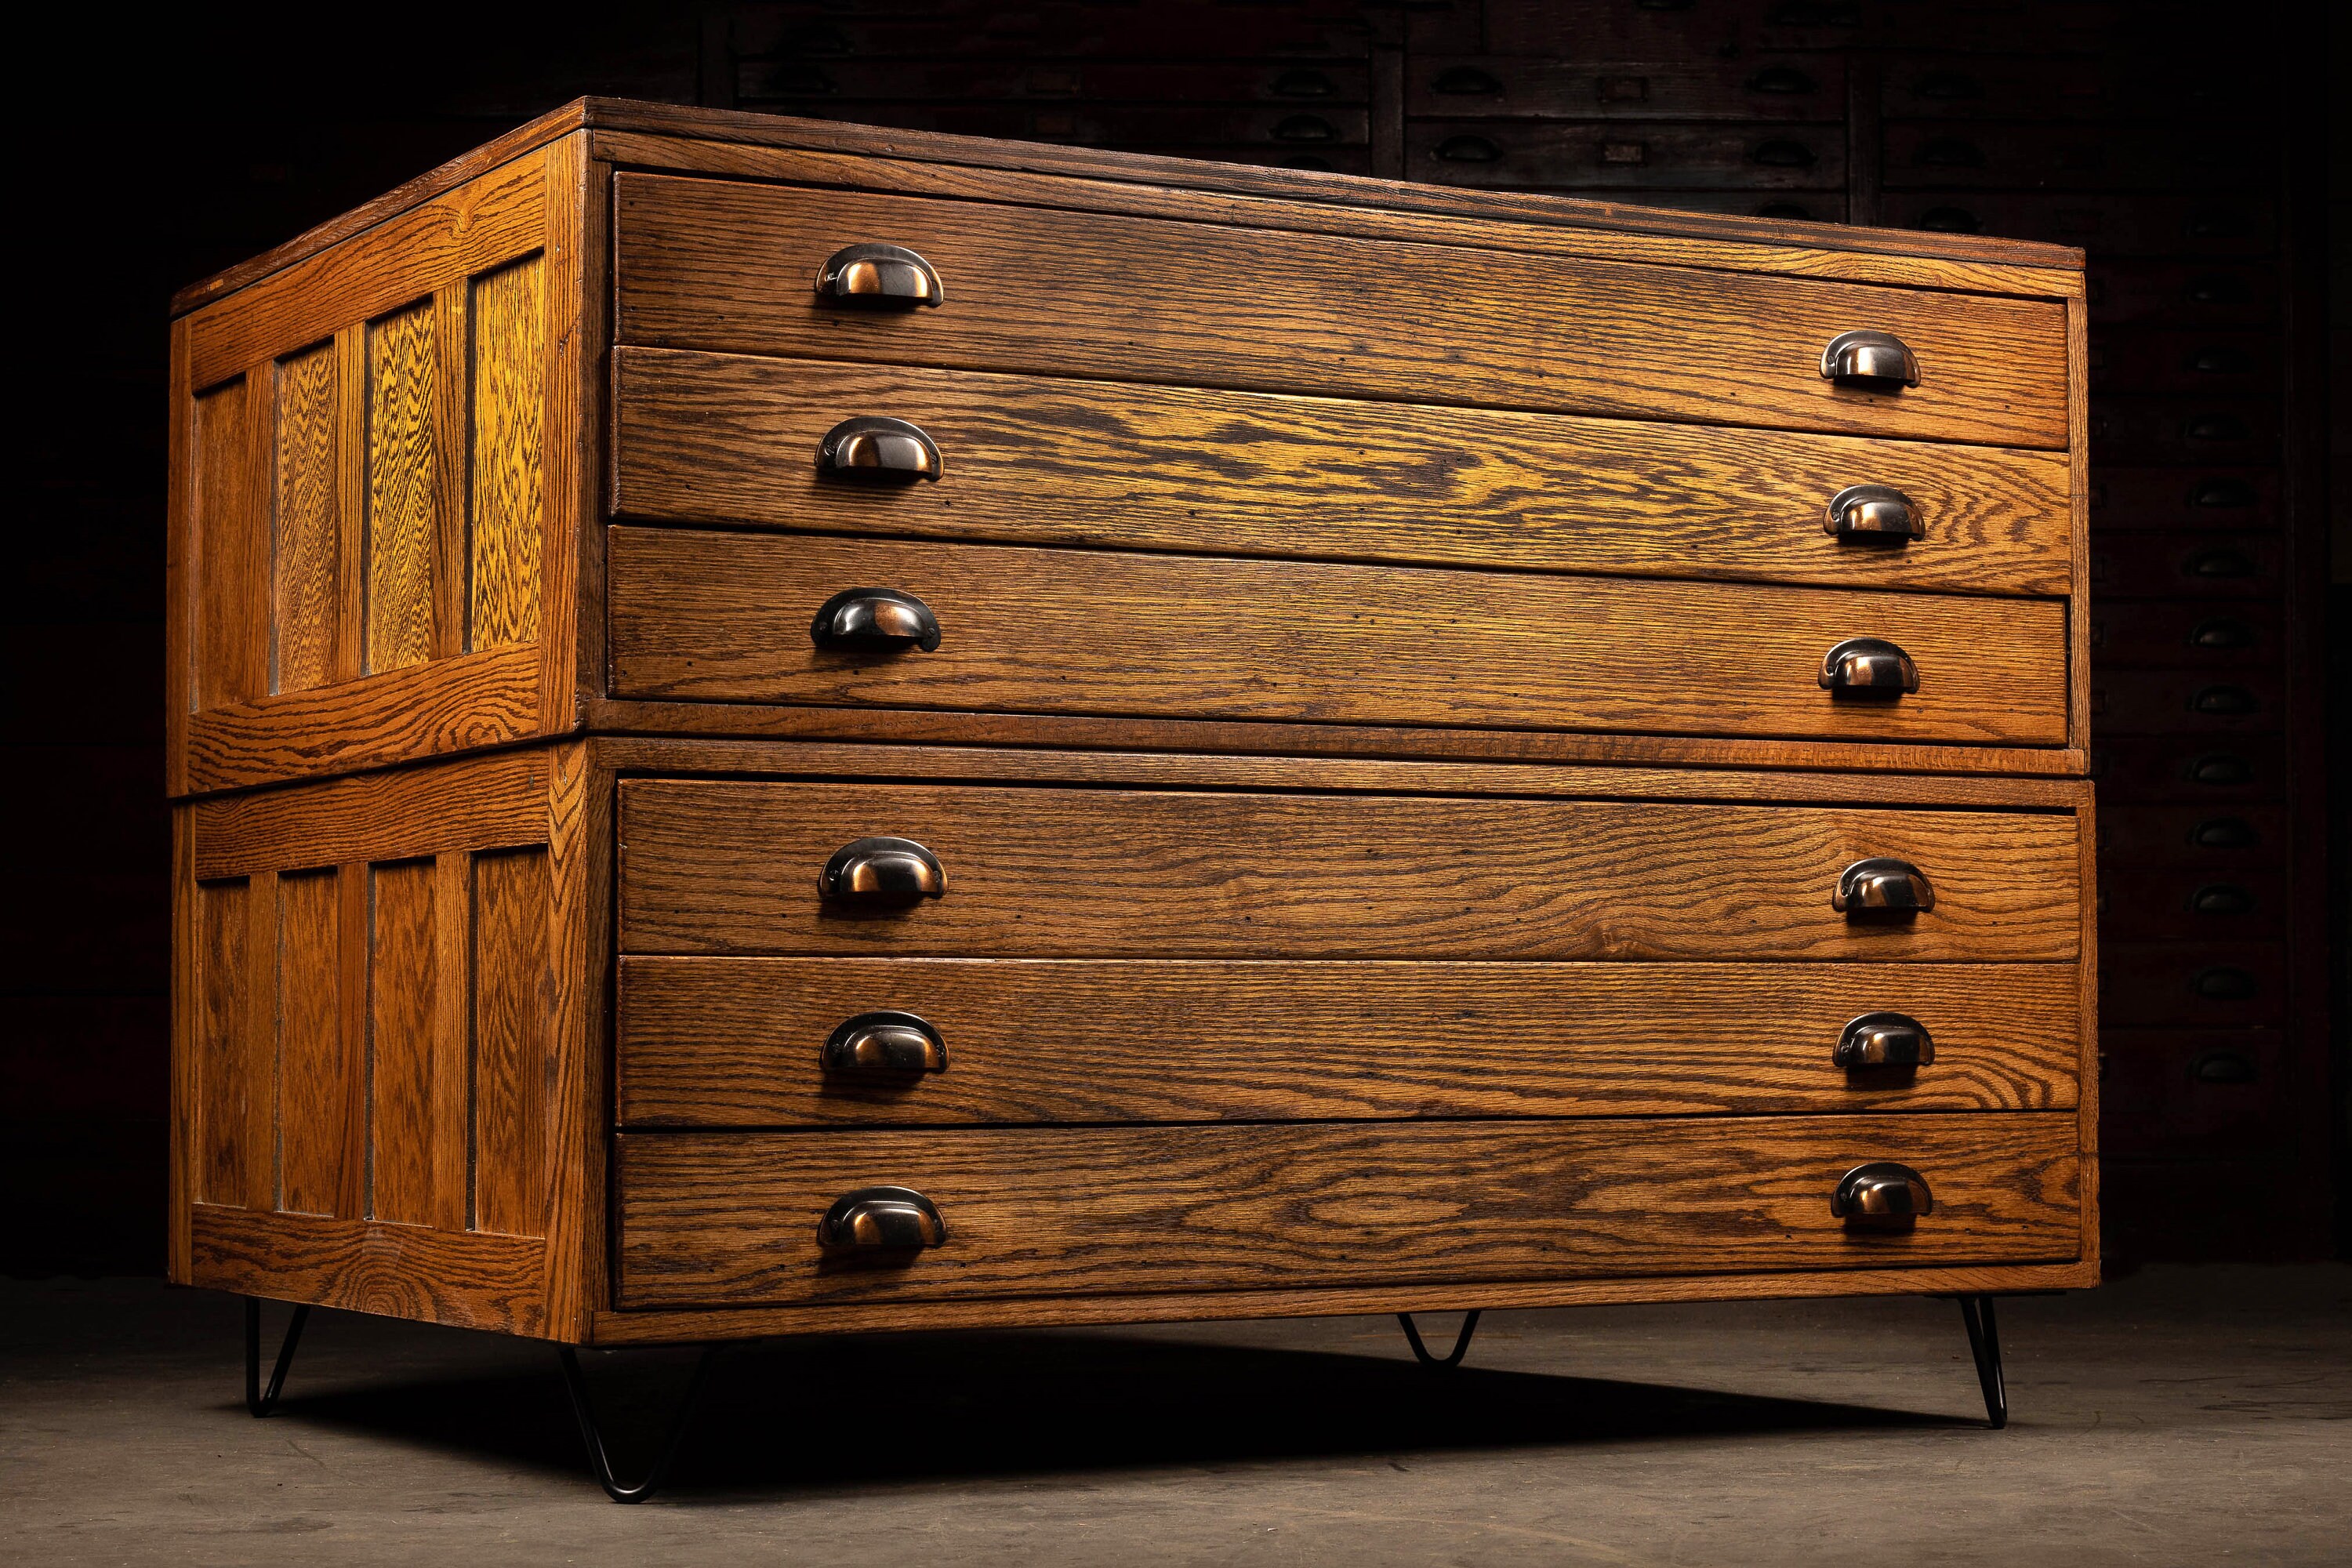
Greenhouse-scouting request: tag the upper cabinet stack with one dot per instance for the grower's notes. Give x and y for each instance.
(913, 437)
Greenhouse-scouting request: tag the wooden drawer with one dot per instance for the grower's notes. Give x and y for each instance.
(709, 264)
(714, 438)
(730, 867)
(725, 616)
(735, 1042)
(729, 1218)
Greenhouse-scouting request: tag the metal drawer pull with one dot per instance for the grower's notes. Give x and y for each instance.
(1869, 667)
(1882, 1194)
(880, 1219)
(1884, 1040)
(885, 1043)
(882, 871)
(1880, 362)
(874, 620)
(1883, 886)
(1873, 514)
(871, 448)
(886, 275)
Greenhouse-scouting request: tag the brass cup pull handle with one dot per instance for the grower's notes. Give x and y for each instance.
(874, 620)
(1881, 886)
(1868, 667)
(1884, 1040)
(885, 1042)
(1882, 1194)
(889, 276)
(882, 871)
(881, 1219)
(1873, 361)
(1873, 515)
(878, 449)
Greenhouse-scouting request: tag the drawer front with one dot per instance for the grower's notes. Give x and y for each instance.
(726, 618)
(729, 1218)
(724, 438)
(706, 264)
(736, 1042)
(726, 867)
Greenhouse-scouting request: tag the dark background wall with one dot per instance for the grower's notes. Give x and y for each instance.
(2184, 146)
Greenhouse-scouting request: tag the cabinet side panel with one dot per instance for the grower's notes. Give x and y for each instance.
(402, 497)
(370, 1031)
(510, 418)
(232, 548)
(306, 545)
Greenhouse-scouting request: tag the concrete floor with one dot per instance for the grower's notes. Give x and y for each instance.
(2176, 1417)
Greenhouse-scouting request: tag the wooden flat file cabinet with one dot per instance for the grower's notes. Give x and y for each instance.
(782, 728)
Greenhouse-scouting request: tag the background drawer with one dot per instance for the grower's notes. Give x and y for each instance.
(707, 264)
(722, 867)
(727, 1218)
(735, 1041)
(721, 438)
(725, 616)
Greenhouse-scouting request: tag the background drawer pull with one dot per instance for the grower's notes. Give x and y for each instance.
(1875, 514)
(1882, 1194)
(1882, 886)
(874, 620)
(1884, 1040)
(1880, 362)
(879, 1219)
(886, 275)
(1869, 667)
(885, 1043)
(872, 447)
(882, 871)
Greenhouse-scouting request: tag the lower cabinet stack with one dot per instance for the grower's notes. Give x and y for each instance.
(1456, 821)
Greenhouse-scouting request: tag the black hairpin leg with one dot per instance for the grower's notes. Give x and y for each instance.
(1421, 1352)
(600, 1462)
(1984, 1345)
(256, 1399)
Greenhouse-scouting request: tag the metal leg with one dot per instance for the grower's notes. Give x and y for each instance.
(1421, 1352)
(256, 1400)
(600, 1462)
(1984, 1345)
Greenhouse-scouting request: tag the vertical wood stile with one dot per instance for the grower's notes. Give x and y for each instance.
(350, 499)
(579, 922)
(186, 991)
(307, 546)
(452, 1070)
(403, 487)
(508, 435)
(179, 690)
(313, 1092)
(259, 1069)
(452, 423)
(572, 302)
(510, 1042)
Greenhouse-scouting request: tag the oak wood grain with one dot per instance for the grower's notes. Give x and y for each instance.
(404, 499)
(730, 1218)
(701, 1325)
(507, 541)
(721, 265)
(776, 732)
(315, 1072)
(307, 548)
(514, 1061)
(714, 438)
(377, 272)
(1523, 220)
(230, 543)
(714, 1042)
(228, 1165)
(577, 1275)
(725, 616)
(721, 867)
(465, 1281)
(403, 1128)
(464, 703)
(1599, 779)
(474, 803)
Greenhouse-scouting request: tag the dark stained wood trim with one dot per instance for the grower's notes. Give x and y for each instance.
(613, 1327)
(475, 803)
(464, 1278)
(1294, 184)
